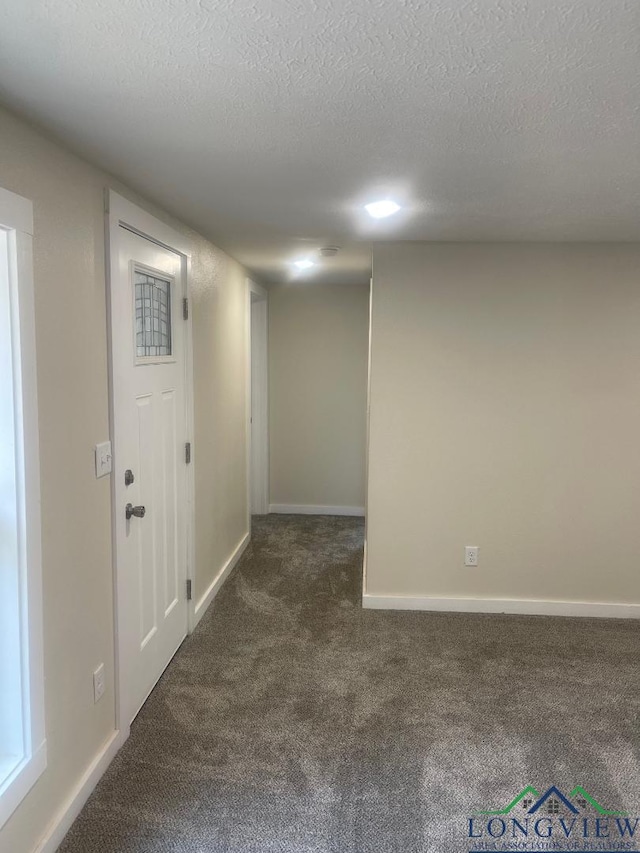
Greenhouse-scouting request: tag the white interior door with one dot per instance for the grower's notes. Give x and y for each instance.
(148, 336)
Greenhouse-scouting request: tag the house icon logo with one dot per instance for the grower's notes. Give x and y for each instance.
(553, 802)
(553, 821)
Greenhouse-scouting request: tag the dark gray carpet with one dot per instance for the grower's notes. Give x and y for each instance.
(292, 720)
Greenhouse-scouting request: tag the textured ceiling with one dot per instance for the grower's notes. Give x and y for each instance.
(267, 124)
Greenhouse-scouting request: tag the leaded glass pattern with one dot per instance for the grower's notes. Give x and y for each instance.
(153, 315)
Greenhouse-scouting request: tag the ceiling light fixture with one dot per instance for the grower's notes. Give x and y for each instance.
(303, 264)
(382, 209)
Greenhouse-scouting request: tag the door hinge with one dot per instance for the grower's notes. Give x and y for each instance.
(187, 452)
(185, 308)
(189, 590)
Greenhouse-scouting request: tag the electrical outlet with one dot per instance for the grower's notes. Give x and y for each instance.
(471, 555)
(98, 683)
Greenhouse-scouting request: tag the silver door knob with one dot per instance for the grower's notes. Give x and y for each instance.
(138, 511)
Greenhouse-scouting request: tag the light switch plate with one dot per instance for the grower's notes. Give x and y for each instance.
(103, 459)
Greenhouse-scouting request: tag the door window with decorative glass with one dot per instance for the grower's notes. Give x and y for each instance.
(152, 293)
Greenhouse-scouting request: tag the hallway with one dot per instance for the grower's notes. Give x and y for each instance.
(293, 720)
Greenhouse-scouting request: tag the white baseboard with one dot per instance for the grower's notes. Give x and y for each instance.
(364, 568)
(313, 509)
(529, 607)
(216, 583)
(61, 823)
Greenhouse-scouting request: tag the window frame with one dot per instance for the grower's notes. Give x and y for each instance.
(16, 222)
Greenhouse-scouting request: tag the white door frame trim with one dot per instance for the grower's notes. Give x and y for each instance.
(257, 293)
(121, 212)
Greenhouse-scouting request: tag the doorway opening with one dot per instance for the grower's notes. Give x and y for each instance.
(258, 400)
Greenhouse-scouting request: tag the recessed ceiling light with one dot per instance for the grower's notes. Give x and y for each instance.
(380, 209)
(303, 264)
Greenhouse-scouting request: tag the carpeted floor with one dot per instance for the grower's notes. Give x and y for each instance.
(292, 720)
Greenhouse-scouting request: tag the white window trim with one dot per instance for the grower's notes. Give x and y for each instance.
(16, 218)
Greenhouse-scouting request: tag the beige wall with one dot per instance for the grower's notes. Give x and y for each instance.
(318, 352)
(505, 413)
(219, 355)
(72, 385)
